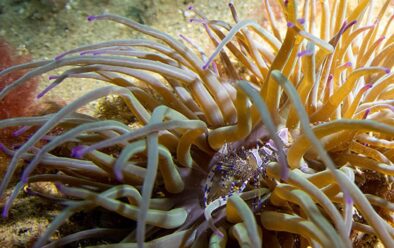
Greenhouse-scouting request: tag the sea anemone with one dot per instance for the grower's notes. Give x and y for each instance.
(276, 138)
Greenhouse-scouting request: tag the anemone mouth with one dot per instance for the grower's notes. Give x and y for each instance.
(286, 147)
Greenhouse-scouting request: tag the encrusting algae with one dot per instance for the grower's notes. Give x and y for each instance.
(270, 140)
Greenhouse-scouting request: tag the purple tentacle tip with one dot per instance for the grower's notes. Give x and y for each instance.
(304, 53)
(366, 113)
(190, 7)
(20, 131)
(351, 24)
(78, 152)
(59, 187)
(194, 20)
(4, 213)
(91, 18)
(3, 148)
(387, 70)
(52, 77)
(368, 86)
(60, 56)
(301, 21)
(41, 94)
(205, 67)
(348, 64)
(118, 174)
(290, 25)
(46, 90)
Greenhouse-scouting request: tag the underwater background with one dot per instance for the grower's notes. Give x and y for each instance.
(45, 28)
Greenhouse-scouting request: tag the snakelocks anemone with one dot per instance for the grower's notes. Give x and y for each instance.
(276, 137)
